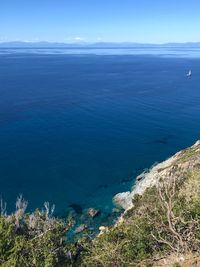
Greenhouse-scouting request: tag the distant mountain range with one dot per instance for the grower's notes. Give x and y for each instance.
(94, 45)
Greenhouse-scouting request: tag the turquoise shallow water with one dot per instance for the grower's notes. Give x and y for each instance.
(77, 128)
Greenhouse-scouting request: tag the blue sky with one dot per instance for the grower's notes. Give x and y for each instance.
(146, 21)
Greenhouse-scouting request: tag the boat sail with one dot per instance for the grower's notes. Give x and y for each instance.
(189, 74)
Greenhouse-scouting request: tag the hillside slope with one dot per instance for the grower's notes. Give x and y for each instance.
(161, 222)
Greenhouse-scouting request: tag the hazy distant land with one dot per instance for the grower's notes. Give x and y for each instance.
(21, 44)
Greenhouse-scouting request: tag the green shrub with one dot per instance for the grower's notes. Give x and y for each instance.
(35, 239)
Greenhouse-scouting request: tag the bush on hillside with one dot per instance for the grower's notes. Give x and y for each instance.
(164, 220)
(36, 239)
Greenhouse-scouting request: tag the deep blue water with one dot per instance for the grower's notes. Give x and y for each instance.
(78, 128)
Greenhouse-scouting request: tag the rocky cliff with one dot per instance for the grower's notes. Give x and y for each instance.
(181, 162)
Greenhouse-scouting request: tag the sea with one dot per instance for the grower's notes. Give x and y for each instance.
(78, 125)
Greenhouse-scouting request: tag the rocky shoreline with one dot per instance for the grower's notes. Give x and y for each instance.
(93, 220)
(152, 177)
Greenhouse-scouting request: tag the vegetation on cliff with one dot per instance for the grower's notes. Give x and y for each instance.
(36, 239)
(163, 221)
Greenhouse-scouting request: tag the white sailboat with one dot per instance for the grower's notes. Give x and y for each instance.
(189, 74)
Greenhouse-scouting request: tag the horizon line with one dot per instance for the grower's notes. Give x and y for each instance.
(98, 42)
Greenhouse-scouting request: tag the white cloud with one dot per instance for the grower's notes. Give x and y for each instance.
(79, 39)
(75, 39)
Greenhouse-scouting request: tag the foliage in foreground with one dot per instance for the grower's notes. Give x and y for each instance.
(35, 239)
(164, 221)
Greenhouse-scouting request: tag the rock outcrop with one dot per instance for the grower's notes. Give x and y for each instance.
(92, 212)
(181, 162)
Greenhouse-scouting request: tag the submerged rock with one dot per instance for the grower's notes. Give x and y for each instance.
(116, 210)
(93, 212)
(81, 228)
(76, 207)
